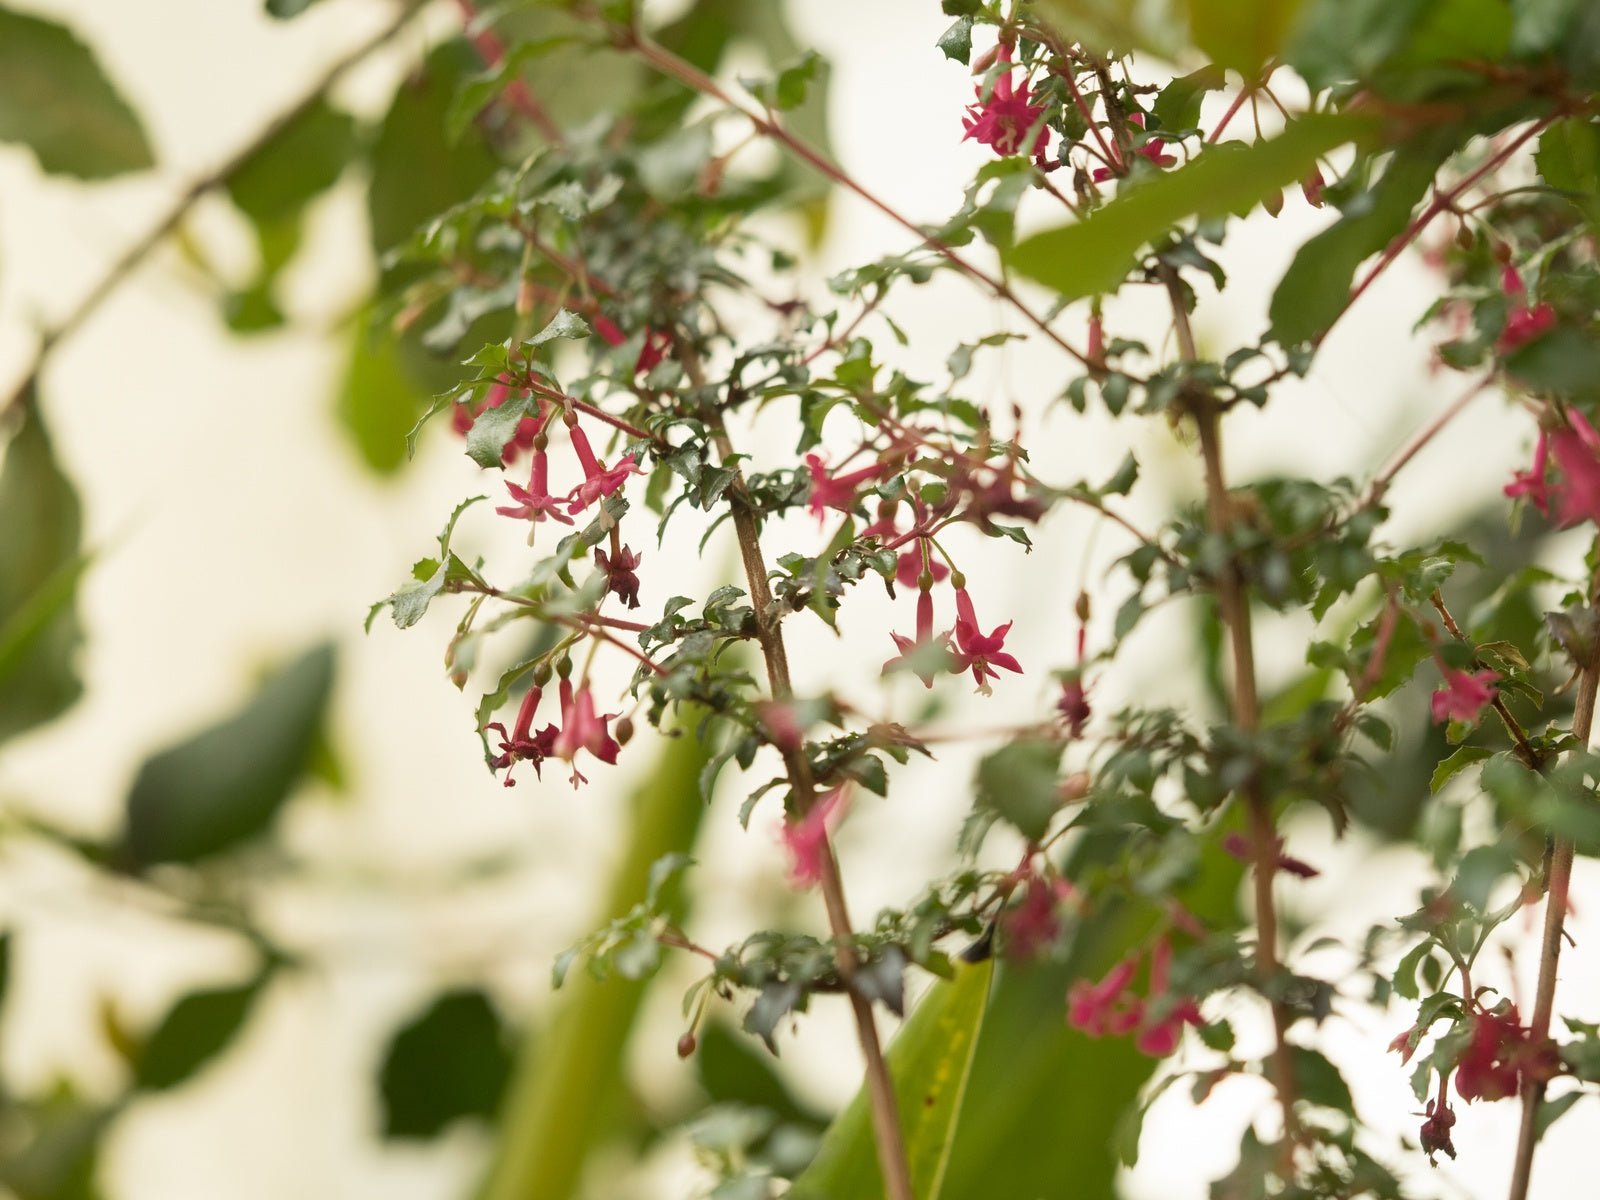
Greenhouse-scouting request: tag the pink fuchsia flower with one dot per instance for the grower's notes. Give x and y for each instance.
(1160, 1038)
(1577, 453)
(926, 639)
(1523, 324)
(1036, 922)
(534, 502)
(1003, 118)
(1435, 1132)
(1464, 696)
(835, 491)
(581, 729)
(1531, 483)
(806, 838)
(656, 344)
(1107, 1007)
(1500, 1054)
(522, 745)
(621, 573)
(1404, 1044)
(982, 653)
(599, 481)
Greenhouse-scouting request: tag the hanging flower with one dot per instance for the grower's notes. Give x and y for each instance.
(521, 744)
(581, 729)
(1531, 483)
(919, 653)
(835, 491)
(599, 481)
(982, 653)
(1576, 448)
(1464, 696)
(534, 502)
(806, 838)
(621, 574)
(1500, 1054)
(1523, 324)
(1002, 118)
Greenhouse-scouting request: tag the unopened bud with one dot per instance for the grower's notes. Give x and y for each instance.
(541, 674)
(958, 580)
(1075, 787)
(1273, 203)
(1465, 238)
(686, 1045)
(1082, 606)
(624, 733)
(564, 667)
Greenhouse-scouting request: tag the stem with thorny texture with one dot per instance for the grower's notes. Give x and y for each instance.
(1233, 604)
(1557, 880)
(163, 226)
(891, 1146)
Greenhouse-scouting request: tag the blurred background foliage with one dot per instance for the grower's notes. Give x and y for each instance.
(203, 814)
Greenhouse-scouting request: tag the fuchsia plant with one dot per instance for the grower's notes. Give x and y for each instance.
(1135, 826)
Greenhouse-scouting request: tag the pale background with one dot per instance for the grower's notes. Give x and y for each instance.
(234, 526)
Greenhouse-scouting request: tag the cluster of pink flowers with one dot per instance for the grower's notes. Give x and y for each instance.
(581, 729)
(1575, 488)
(1112, 1007)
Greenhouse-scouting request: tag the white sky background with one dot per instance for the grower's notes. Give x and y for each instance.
(235, 527)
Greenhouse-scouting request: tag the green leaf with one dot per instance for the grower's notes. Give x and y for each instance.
(1319, 1081)
(1241, 34)
(732, 1070)
(449, 1062)
(40, 566)
(1463, 758)
(378, 402)
(195, 1030)
(1569, 159)
(416, 172)
(1118, 26)
(285, 9)
(1178, 105)
(929, 1060)
(300, 162)
(572, 1078)
(225, 785)
(58, 102)
(564, 324)
(1094, 255)
(494, 427)
(1020, 783)
(1316, 288)
(956, 42)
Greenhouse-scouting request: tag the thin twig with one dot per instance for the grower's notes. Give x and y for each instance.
(169, 220)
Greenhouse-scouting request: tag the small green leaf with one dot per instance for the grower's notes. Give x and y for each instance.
(956, 42)
(304, 159)
(1019, 782)
(224, 786)
(1320, 1082)
(1094, 255)
(450, 1061)
(1463, 758)
(1569, 159)
(283, 10)
(929, 1060)
(494, 427)
(564, 324)
(378, 402)
(195, 1030)
(59, 103)
(1178, 105)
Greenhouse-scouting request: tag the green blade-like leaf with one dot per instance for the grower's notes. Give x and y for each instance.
(226, 785)
(56, 100)
(195, 1030)
(930, 1060)
(40, 566)
(1094, 255)
(567, 1084)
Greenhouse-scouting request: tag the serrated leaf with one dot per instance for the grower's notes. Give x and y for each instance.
(1093, 256)
(494, 427)
(929, 1061)
(58, 101)
(1464, 757)
(564, 324)
(225, 786)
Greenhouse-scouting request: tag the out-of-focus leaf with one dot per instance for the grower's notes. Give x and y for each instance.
(1020, 784)
(1093, 255)
(195, 1030)
(56, 100)
(1178, 105)
(733, 1071)
(417, 172)
(285, 9)
(451, 1061)
(1241, 34)
(1316, 288)
(565, 1085)
(1118, 26)
(929, 1060)
(40, 566)
(302, 161)
(226, 785)
(379, 400)
(1569, 159)
(61, 1157)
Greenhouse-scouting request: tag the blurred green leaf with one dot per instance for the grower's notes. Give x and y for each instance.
(40, 566)
(1020, 784)
(285, 9)
(60, 1158)
(1569, 159)
(57, 101)
(1093, 255)
(451, 1061)
(1178, 105)
(417, 172)
(303, 160)
(733, 1071)
(566, 1084)
(195, 1030)
(1241, 34)
(929, 1060)
(1118, 26)
(226, 785)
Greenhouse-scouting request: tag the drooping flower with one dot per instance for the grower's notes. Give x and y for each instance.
(621, 572)
(1036, 922)
(599, 481)
(522, 745)
(1150, 150)
(806, 838)
(1464, 695)
(1531, 483)
(582, 729)
(835, 491)
(1435, 1132)
(1576, 448)
(1107, 1007)
(1003, 117)
(534, 502)
(1524, 324)
(1112, 1007)
(980, 652)
(919, 652)
(1159, 1038)
(1500, 1054)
